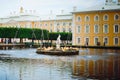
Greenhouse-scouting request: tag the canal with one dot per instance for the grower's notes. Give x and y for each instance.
(90, 64)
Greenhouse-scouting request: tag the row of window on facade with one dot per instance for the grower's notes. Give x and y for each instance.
(29, 25)
(57, 24)
(96, 41)
(97, 28)
(64, 24)
(64, 30)
(97, 17)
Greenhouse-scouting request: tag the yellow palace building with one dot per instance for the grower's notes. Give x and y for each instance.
(29, 19)
(98, 25)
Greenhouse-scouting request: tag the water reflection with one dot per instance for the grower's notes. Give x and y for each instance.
(98, 64)
(25, 64)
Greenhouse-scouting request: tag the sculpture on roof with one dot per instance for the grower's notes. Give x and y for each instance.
(21, 9)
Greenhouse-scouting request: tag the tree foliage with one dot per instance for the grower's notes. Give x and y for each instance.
(64, 36)
(34, 33)
(22, 33)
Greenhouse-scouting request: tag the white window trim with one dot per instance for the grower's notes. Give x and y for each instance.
(80, 19)
(77, 29)
(64, 23)
(114, 28)
(63, 29)
(114, 41)
(70, 23)
(89, 29)
(95, 17)
(77, 40)
(94, 29)
(85, 39)
(118, 18)
(94, 40)
(107, 41)
(104, 29)
(86, 19)
(104, 17)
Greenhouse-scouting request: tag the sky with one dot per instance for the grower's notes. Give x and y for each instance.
(45, 6)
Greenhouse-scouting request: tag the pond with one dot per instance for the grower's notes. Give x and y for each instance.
(90, 64)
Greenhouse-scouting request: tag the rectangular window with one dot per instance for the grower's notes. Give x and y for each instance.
(116, 41)
(78, 40)
(86, 41)
(116, 28)
(87, 29)
(96, 40)
(96, 29)
(105, 28)
(78, 19)
(78, 29)
(105, 40)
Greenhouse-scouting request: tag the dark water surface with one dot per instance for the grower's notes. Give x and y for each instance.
(90, 64)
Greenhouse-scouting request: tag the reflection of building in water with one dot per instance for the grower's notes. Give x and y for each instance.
(106, 68)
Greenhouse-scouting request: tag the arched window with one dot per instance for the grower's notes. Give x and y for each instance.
(64, 24)
(116, 17)
(96, 29)
(96, 18)
(105, 40)
(78, 40)
(105, 28)
(78, 29)
(87, 29)
(64, 30)
(58, 30)
(70, 24)
(78, 18)
(116, 28)
(87, 18)
(116, 40)
(105, 17)
(69, 30)
(96, 40)
(58, 24)
(51, 24)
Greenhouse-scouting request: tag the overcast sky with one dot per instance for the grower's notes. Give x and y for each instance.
(45, 6)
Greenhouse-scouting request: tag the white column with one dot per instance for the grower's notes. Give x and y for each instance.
(73, 30)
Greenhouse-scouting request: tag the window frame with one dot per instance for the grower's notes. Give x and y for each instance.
(115, 17)
(115, 29)
(78, 18)
(107, 40)
(105, 18)
(79, 29)
(95, 29)
(63, 29)
(86, 18)
(95, 43)
(104, 28)
(86, 29)
(115, 42)
(95, 17)
(85, 40)
(79, 40)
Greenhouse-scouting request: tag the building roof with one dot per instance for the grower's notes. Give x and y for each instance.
(31, 17)
(20, 17)
(101, 7)
(64, 17)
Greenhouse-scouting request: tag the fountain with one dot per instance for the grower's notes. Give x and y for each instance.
(58, 42)
(62, 51)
